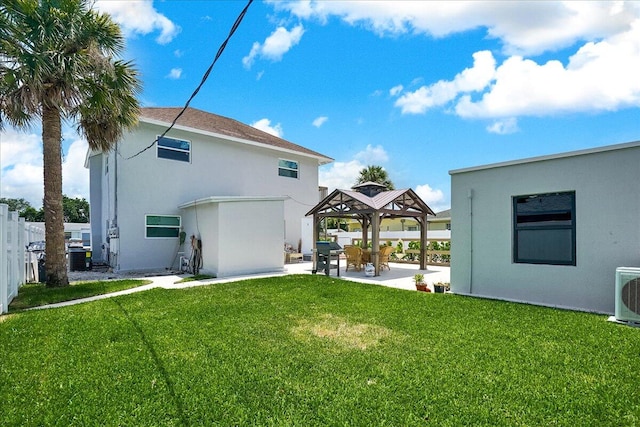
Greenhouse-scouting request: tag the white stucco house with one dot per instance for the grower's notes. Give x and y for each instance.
(548, 230)
(242, 192)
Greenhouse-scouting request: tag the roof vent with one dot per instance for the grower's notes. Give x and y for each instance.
(369, 188)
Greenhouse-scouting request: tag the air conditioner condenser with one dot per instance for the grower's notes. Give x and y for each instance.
(628, 294)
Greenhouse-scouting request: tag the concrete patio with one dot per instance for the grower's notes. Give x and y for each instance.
(399, 276)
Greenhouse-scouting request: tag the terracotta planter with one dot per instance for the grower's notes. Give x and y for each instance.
(422, 287)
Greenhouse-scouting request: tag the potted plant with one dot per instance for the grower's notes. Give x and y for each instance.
(441, 287)
(420, 285)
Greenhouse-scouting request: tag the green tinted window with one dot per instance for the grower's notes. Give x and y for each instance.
(162, 226)
(162, 232)
(162, 220)
(288, 168)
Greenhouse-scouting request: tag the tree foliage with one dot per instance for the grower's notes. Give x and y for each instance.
(16, 204)
(24, 209)
(337, 223)
(75, 209)
(375, 174)
(57, 62)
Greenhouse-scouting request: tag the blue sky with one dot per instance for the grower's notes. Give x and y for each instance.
(419, 88)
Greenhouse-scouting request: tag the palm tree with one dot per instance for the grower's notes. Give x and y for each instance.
(375, 174)
(56, 62)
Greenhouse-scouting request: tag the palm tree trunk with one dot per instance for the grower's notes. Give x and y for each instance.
(56, 262)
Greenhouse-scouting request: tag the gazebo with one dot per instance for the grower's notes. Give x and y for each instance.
(369, 204)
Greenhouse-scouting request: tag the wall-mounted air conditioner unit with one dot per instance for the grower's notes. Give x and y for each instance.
(628, 294)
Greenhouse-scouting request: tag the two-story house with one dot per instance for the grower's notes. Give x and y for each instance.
(239, 192)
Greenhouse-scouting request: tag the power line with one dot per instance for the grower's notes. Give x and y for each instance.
(204, 78)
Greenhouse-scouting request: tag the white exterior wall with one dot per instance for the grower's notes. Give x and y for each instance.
(149, 185)
(238, 236)
(607, 219)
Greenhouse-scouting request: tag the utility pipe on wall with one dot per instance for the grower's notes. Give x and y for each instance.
(470, 197)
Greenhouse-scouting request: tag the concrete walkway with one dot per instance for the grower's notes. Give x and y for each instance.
(400, 276)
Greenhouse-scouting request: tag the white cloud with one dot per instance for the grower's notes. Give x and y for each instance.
(601, 75)
(23, 181)
(139, 17)
(75, 177)
(21, 164)
(265, 126)
(432, 197)
(274, 46)
(504, 127)
(175, 73)
(19, 147)
(22, 175)
(343, 175)
(319, 121)
(247, 61)
(394, 91)
(471, 79)
(372, 155)
(523, 27)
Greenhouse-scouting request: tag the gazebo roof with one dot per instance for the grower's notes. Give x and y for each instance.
(392, 204)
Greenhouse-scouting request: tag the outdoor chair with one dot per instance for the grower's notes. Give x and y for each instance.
(385, 252)
(354, 257)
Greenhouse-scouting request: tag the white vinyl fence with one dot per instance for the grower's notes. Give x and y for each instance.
(13, 255)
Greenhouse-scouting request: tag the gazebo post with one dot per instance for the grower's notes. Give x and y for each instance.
(365, 231)
(375, 241)
(316, 233)
(423, 242)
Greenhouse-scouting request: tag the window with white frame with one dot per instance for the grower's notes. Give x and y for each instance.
(174, 149)
(162, 226)
(288, 168)
(544, 228)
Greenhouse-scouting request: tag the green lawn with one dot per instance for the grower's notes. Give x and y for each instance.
(37, 294)
(314, 350)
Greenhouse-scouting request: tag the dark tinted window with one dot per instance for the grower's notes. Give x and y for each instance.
(544, 229)
(174, 149)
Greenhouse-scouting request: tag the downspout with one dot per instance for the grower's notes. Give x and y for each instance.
(116, 262)
(115, 197)
(470, 197)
